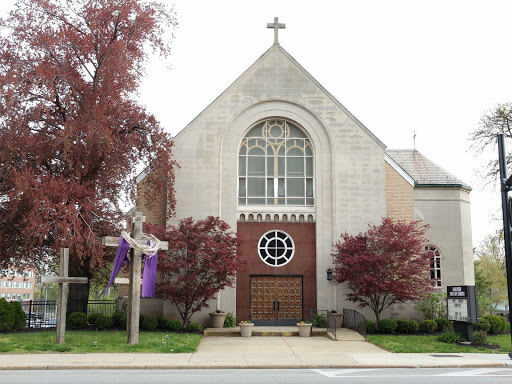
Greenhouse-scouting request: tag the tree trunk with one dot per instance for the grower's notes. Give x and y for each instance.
(377, 316)
(78, 297)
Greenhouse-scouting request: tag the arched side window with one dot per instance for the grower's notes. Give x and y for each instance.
(435, 265)
(275, 165)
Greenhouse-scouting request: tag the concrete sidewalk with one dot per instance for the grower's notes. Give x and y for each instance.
(261, 352)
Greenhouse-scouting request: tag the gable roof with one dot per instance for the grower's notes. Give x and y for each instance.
(277, 48)
(424, 171)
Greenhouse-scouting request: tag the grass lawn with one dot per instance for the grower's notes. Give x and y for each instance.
(429, 344)
(106, 342)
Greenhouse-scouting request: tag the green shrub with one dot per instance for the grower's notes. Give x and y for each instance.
(319, 321)
(141, 319)
(497, 325)
(482, 325)
(480, 337)
(20, 317)
(387, 325)
(450, 337)
(104, 322)
(407, 326)
(507, 328)
(193, 327)
(162, 323)
(91, 319)
(229, 321)
(504, 322)
(119, 320)
(174, 325)
(433, 306)
(443, 324)
(148, 323)
(428, 326)
(371, 327)
(6, 316)
(76, 320)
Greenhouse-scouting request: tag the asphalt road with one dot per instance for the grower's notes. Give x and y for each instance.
(257, 376)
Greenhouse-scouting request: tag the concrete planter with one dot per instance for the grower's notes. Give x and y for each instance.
(217, 319)
(304, 329)
(246, 330)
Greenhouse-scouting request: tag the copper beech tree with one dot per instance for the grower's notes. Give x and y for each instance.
(71, 130)
(387, 264)
(203, 258)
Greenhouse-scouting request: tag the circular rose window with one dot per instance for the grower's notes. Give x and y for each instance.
(276, 248)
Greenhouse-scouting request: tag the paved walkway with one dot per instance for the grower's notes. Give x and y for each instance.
(352, 351)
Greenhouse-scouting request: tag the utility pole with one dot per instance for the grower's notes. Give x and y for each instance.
(506, 206)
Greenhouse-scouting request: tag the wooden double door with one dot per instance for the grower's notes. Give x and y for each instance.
(276, 300)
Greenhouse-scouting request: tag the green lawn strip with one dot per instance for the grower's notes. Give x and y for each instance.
(429, 344)
(98, 342)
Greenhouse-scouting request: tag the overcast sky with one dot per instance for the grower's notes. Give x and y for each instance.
(430, 67)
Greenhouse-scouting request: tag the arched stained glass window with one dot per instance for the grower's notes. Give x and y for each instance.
(275, 165)
(435, 265)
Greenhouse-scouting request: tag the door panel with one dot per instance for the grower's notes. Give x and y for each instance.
(276, 300)
(289, 297)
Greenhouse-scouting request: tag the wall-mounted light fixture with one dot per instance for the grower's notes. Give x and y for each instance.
(329, 274)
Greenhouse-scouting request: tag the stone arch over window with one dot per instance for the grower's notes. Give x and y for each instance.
(275, 165)
(435, 265)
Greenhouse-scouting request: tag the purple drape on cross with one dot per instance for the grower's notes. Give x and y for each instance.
(121, 257)
(148, 276)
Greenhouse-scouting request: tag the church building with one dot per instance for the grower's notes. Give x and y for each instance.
(287, 166)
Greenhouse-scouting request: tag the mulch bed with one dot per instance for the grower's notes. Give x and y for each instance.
(475, 345)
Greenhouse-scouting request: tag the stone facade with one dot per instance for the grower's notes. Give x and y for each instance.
(356, 183)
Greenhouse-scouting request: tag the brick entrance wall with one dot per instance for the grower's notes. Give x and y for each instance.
(303, 262)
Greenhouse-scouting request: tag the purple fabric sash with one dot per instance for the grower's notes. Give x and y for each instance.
(148, 276)
(121, 257)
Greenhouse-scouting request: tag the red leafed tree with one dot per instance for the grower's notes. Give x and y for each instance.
(202, 259)
(71, 130)
(388, 264)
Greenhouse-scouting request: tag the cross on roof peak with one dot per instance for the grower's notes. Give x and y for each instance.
(276, 26)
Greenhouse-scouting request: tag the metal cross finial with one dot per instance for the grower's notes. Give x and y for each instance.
(276, 26)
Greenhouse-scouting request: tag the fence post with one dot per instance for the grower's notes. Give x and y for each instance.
(30, 314)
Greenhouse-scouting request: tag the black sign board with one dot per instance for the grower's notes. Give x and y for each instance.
(461, 303)
(460, 291)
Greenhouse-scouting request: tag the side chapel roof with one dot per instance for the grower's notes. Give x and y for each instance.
(424, 171)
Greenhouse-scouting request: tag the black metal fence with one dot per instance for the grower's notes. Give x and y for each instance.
(330, 319)
(354, 320)
(43, 313)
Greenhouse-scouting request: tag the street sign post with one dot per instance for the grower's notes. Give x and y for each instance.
(506, 186)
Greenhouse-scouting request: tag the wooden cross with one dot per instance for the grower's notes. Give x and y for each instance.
(276, 26)
(64, 280)
(132, 326)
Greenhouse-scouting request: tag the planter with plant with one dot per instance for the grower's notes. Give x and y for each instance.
(246, 328)
(304, 328)
(217, 317)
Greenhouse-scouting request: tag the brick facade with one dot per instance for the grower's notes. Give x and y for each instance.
(15, 286)
(399, 196)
